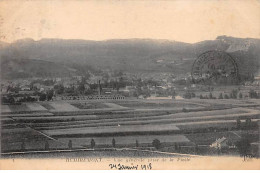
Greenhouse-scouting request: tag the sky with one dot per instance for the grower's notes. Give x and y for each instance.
(187, 20)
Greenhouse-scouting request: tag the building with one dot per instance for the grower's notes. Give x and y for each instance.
(159, 98)
(25, 88)
(90, 97)
(220, 143)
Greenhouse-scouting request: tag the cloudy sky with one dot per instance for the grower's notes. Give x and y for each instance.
(186, 20)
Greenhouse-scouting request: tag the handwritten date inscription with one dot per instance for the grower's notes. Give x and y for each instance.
(130, 167)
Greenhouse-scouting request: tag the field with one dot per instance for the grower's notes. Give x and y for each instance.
(89, 105)
(102, 130)
(97, 154)
(32, 139)
(129, 140)
(154, 104)
(35, 107)
(187, 122)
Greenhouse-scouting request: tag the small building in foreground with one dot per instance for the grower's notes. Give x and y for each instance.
(220, 143)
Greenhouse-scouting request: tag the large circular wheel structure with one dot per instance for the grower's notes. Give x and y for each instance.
(215, 67)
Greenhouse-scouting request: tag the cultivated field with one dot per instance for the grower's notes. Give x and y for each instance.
(188, 121)
(129, 140)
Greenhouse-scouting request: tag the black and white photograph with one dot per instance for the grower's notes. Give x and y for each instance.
(130, 85)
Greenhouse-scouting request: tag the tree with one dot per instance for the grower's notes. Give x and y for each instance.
(113, 142)
(48, 82)
(253, 94)
(136, 143)
(184, 110)
(187, 95)
(59, 89)
(234, 93)
(196, 148)
(218, 150)
(92, 143)
(70, 144)
(23, 146)
(248, 122)
(238, 123)
(46, 145)
(8, 99)
(243, 146)
(81, 88)
(156, 143)
(226, 96)
(4, 100)
(176, 147)
(220, 96)
(173, 93)
(49, 95)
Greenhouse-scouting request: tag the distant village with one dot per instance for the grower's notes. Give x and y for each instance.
(118, 85)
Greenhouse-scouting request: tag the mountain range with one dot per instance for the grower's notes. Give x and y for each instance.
(58, 57)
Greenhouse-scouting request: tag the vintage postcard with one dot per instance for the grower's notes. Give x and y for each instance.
(130, 85)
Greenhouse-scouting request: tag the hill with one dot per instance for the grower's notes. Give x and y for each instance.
(135, 55)
(13, 68)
